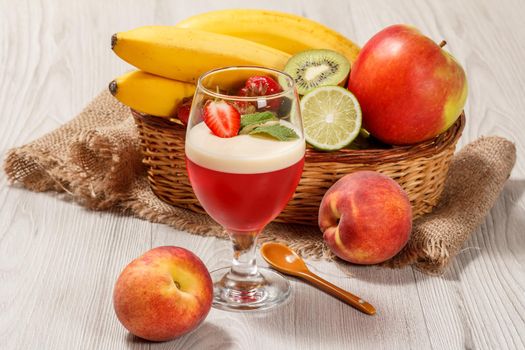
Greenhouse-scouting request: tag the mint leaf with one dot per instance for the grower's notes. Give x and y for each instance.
(277, 131)
(266, 124)
(256, 118)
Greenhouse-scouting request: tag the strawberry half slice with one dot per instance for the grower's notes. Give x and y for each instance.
(222, 118)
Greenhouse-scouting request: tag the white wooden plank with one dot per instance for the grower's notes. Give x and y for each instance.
(58, 267)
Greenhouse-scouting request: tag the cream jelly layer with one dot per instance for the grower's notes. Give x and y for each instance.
(242, 154)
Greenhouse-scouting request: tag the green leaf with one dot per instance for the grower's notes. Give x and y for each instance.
(277, 131)
(257, 118)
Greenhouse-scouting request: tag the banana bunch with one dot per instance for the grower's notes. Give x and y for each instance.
(171, 58)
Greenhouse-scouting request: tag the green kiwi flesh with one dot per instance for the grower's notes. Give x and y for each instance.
(314, 68)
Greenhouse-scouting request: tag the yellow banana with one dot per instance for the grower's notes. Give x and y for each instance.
(184, 54)
(150, 94)
(282, 31)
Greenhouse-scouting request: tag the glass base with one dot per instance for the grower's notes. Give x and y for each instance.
(261, 291)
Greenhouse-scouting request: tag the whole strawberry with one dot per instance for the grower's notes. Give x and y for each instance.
(262, 86)
(245, 107)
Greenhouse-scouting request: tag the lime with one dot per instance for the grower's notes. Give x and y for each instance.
(331, 117)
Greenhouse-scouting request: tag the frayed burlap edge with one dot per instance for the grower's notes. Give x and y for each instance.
(475, 179)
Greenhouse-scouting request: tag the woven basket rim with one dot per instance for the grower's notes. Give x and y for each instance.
(365, 156)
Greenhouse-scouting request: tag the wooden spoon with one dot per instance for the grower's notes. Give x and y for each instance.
(285, 260)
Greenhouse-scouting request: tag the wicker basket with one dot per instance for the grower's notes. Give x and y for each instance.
(420, 169)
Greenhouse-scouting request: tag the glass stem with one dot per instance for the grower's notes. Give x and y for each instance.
(244, 245)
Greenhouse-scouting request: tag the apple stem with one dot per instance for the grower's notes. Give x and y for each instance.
(442, 43)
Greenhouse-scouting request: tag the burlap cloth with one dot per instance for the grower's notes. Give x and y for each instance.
(95, 159)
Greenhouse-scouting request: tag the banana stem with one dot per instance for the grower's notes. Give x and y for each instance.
(113, 87)
(113, 41)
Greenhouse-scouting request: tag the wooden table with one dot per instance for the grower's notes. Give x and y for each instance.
(58, 261)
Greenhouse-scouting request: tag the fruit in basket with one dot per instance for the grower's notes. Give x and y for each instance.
(222, 118)
(331, 117)
(184, 54)
(183, 111)
(409, 88)
(283, 31)
(365, 218)
(165, 293)
(150, 94)
(314, 68)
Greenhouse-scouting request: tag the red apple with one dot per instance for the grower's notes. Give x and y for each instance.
(409, 88)
(183, 110)
(165, 293)
(365, 217)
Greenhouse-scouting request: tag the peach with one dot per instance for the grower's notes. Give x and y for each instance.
(165, 293)
(365, 217)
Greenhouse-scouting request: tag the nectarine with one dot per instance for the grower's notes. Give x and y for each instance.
(163, 294)
(365, 217)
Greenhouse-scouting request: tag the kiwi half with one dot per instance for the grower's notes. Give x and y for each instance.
(314, 68)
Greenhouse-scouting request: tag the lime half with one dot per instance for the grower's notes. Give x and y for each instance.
(331, 117)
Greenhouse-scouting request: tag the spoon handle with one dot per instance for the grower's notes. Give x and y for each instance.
(339, 293)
